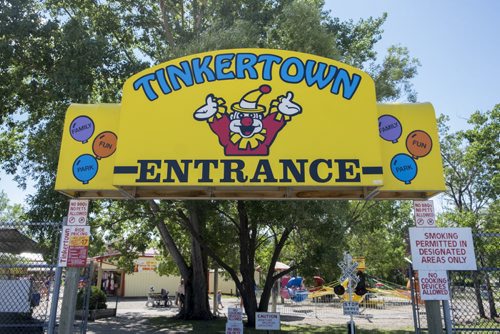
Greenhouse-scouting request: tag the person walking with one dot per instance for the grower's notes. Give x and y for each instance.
(219, 300)
(179, 298)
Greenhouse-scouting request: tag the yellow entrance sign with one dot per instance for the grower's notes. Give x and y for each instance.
(245, 123)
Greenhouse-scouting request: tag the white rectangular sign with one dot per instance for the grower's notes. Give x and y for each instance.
(234, 328)
(77, 212)
(424, 213)
(267, 321)
(350, 308)
(64, 247)
(433, 285)
(234, 314)
(436, 248)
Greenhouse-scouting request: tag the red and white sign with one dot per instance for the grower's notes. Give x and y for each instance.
(74, 246)
(424, 213)
(267, 321)
(64, 247)
(234, 328)
(77, 212)
(433, 285)
(234, 314)
(442, 248)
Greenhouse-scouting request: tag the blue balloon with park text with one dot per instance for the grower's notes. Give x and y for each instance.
(85, 168)
(404, 168)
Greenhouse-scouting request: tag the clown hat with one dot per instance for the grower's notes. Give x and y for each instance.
(249, 101)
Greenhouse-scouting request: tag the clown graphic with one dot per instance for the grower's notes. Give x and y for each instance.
(248, 128)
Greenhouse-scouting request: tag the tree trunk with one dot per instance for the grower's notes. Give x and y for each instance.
(477, 290)
(491, 298)
(195, 284)
(247, 266)
(271, 277)
(197, 287)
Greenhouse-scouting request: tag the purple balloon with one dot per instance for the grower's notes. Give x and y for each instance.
(82, 128)
(389, 128)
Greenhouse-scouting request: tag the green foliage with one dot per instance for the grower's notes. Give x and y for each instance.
(97, 299)
(471, 159)
(57, 52)
(9, 214)
(379, 233)
(393, 76)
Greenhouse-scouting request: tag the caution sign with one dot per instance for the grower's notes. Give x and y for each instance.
(442, 249)
(267, 321)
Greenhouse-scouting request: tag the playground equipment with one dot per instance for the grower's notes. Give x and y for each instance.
(292, 288)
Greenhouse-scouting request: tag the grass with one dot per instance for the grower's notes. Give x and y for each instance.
(219, 325)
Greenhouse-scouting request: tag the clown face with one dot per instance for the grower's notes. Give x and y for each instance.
(246, 124)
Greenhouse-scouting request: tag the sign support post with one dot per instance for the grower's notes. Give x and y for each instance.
(73, 255)
(56, 288)
(348, 267)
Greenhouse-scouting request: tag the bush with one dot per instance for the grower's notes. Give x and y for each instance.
(97, 299)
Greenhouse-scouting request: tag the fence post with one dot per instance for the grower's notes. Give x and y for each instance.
(55, 301)
(414, 300)
(57, 288)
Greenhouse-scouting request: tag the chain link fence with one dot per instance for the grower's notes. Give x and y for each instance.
(476, 294)
(27, 270)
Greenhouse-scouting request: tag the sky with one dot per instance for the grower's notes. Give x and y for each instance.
(456, 41)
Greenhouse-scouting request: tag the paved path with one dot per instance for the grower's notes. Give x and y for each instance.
(133, 317)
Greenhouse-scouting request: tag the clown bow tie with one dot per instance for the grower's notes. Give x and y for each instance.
(253, 141)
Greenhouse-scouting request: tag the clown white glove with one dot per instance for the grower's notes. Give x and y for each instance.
(287, 107)
(210, 108)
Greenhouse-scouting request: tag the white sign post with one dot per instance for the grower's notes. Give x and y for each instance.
(424, 213)
(434, 285)
(77, 212)
(348, 267)
(267, 321)
(442, 248)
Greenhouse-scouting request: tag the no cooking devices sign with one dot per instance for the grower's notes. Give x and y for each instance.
(442, 249)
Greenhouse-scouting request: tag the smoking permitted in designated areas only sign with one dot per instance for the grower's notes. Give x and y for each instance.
(442, 248)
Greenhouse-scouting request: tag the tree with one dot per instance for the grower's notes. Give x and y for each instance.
(9, 214)
(379, 233)
(64, 51)
(471, 159)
